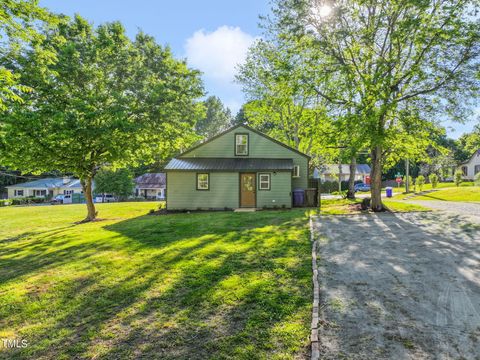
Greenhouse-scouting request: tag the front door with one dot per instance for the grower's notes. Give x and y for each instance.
(247, 190)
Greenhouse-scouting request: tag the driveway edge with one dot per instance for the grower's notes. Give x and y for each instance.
(314, 337)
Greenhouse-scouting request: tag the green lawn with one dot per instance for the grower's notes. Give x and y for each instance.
(184, 286)
(453, 194)
(441, 185)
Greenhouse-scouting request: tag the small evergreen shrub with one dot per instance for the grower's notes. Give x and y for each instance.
(420, 181)
(433, 180)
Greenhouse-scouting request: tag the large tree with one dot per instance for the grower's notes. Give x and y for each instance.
(280, 102)
(105, 100)
(397, 55)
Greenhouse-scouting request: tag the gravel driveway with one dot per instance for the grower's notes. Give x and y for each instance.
(470, 210)
(399, 286)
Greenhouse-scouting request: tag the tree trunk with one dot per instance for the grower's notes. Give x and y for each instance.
(87, 190)
(351, 179)
(376, 179)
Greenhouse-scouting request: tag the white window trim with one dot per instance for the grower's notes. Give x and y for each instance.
(296, 171)
(207, 182)
(268, 181)
(237, 136)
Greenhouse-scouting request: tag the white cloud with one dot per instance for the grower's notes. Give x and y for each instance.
(217, 53)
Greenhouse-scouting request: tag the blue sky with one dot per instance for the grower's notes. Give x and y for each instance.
(212, 34)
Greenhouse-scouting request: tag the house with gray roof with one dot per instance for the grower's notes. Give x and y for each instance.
(239, 168)
(332, 172)
(151, 186)
(47, 188)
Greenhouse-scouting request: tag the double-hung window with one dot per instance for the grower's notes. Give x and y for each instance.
(203, 181)
(264, 181)
(18, 193)
(241, 144)
(296, 171)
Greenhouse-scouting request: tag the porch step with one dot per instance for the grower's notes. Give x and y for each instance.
(245, 210)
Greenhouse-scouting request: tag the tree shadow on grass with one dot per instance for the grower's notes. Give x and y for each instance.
(400, 286)
(191, 287)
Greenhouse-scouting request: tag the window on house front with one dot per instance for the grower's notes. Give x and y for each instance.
(465, 170)
(203, 181)
(39, 192)
(241, 144)
(264, 181)
(296, 171)
(18, 192)
(476, 170)
(67, 192)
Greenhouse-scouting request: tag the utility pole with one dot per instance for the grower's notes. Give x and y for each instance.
(407, 174)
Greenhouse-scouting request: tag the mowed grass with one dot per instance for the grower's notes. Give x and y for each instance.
(471, 193)
(441, 185)
(184, 286)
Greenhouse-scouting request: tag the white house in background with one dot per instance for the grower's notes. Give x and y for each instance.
(151, 186)
(471, 167)
(47, 188)
(332, 172)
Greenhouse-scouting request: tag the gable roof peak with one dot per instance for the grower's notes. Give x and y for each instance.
(248, 127)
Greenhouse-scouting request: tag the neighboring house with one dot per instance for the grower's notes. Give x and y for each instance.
(239, 168)
(471, 167)
(47, 188)
(332, 172)
(151, 186)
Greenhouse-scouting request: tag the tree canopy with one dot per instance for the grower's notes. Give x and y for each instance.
(105, 100)
(20, 21)
(406, 63)
(118, 183)
(217, 118)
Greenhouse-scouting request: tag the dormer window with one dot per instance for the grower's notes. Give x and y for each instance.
(241, 144)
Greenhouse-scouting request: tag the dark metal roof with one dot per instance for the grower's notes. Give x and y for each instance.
(151, 181)
(229, 164)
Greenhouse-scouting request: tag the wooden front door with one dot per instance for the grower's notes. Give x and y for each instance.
(247, 190)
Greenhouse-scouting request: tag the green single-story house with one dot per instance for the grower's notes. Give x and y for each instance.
(239, 168)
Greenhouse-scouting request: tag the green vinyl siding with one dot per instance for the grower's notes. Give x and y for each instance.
(224, 191)
(258, 147)
(182, 191)
(280, 191)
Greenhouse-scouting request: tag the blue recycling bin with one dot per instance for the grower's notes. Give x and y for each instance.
(389, 191)
(298, 197)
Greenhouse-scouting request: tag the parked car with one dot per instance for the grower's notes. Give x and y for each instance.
(105, 198)
(362, 187)
(61, 199)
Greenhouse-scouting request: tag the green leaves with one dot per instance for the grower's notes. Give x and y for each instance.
(101, 99)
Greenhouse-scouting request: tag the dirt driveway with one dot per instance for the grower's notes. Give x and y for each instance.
(399, 286)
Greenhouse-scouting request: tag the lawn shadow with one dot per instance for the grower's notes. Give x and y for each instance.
(176, 286)
(400, 285)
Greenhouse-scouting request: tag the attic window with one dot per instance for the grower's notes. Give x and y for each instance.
(241, 144)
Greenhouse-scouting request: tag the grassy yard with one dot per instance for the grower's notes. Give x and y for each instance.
(471, 193)
(346, 206)
(186, 286)
(441, 185)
